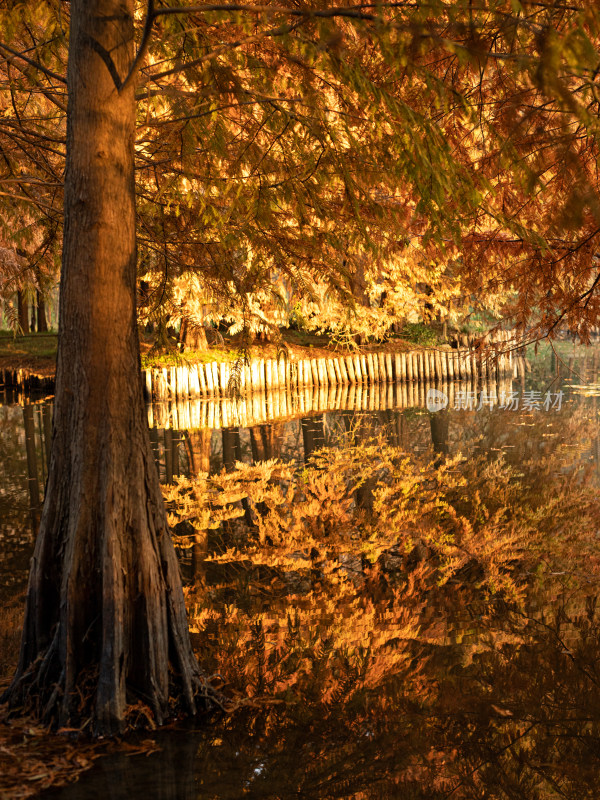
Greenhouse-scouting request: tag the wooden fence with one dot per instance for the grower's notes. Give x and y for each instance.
(227, 379)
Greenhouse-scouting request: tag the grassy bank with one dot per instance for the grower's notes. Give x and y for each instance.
(33, 351)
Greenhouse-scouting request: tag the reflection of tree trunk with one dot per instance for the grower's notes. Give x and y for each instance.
(199, 556)
(275, 439)
(313, 434)
(197, 444)
(262, 438)
(257, 444)
(439, 431)
(390, 427)
(155, 448)
(22, 311)
(43, 445)
(232, 450)
(32, 472)
(47, 418)
(175, 439)
(42, 323)
(173, 773)
(349, 420)
(400, 429)
(168, 433)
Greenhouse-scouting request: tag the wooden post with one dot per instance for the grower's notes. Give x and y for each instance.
(165, 384)
(344, 371)
(269, 375)
(261, 374)
(467, 364)
(426, 374)
(300, 373)
(389, 366)
(403, 367)
(215, 376)
(281, 368)
(322, 382)
(450, 361)
(432, 366)
(350, 369)
(315, 371)
(331, 376)
(438, 365)
(148, 384)
(186, 389)
(254, 377)
(308, 378)
(194, 381)
(376, 367)
(409, 366)
(383, 375)
(224, 378)
(364, 368)
(338, 371)
(370, 368)
(420, 367)
(209, 379)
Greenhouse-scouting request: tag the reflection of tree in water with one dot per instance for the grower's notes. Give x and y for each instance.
(24, 434)
(516, 718)
(491, 702)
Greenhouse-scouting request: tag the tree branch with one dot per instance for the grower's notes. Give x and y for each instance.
(224, 48)
(33, 63)
(144, 42)
(358, 11)
(106, 58)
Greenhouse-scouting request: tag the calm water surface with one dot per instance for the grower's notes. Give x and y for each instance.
(482, 699)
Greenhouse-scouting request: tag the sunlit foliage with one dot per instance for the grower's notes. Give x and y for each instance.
(345, 167)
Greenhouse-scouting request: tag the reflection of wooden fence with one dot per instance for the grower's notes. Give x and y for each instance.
(360, 369)
(22, 380)
(263, 407)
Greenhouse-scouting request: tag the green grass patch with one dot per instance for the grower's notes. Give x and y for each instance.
(420, 334)
(177, 359)
(31, 345)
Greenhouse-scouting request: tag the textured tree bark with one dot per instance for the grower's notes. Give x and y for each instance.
(33, 323)
(42, 322)
(105, 622)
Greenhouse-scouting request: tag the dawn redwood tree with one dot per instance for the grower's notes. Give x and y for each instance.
(105, 622)
(403, 145)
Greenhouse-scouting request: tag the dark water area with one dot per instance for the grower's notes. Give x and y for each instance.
(431, 690)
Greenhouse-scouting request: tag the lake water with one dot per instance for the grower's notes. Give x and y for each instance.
(397, 684)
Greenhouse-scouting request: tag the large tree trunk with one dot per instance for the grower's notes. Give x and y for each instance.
(105, 622)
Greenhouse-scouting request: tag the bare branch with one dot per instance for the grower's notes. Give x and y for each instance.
(359, 11)
(144, 43)
(33, 63)
(280, 31)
